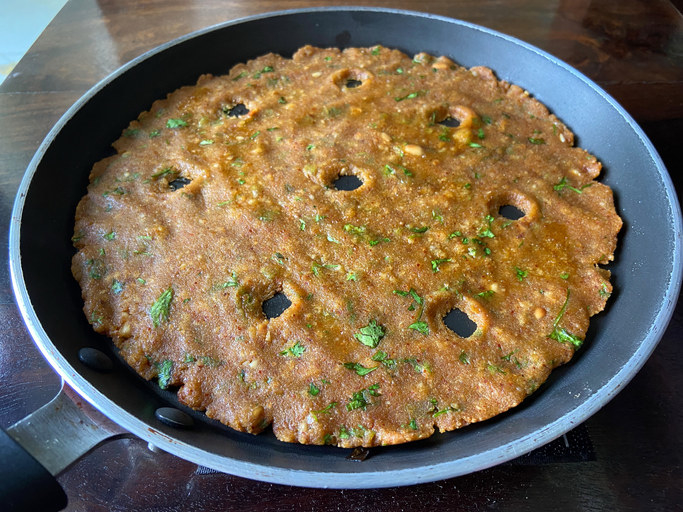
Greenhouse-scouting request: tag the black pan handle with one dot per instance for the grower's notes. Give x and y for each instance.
(25, 485)
(36, 449)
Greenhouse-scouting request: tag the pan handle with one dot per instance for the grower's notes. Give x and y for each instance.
(37, 448)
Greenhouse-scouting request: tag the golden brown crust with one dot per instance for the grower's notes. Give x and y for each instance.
(207, 210)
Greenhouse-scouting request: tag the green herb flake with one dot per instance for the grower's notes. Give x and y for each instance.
(521, 274)
(604, 291)
(116, 286)
(164, 172)
(109, 236)
(313, 390)
(423, 229)
(559, 333)
(475, 145)
(438, 262)
(165, 371)
(382, 357)
(464, 357)
(360, 399)
(538, 141)
(492, 368)
(486, 230)
(413, 424)
(359, 368)
(563, 183)
(351, 276)
(296, 350)
(160, 310)
(326, 410)
(420, 326)
(410, 96)
(371, 334)
(206, 142)
(176, 123)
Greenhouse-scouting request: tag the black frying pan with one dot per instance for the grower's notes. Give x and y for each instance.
(646, 275)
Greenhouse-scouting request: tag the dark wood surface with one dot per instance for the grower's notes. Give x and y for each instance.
(634, 445)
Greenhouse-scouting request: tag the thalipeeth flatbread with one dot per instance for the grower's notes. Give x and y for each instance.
(470, 199)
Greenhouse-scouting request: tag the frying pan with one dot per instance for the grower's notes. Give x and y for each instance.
(646, 274)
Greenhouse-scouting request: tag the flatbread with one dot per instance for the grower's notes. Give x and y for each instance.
(473, 202)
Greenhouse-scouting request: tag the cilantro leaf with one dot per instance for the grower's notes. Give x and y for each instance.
(559, 333)
(359, 368)
(176, 123)
(420, 326)
(165, 370)
(296, 350)
(160, 310)
(371, 334)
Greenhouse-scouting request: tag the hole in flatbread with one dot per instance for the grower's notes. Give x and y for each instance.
(276, 305)
(179, 183)
(238, 110)
(458, 322)
(510, 212)
(351, 78)
(347, 182)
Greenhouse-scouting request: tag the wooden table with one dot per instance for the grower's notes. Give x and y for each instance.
(630, 458)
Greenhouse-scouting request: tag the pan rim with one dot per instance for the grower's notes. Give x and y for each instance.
(351, 479)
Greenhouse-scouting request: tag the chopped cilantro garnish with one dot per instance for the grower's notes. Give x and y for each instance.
(495, 369)
(537, 141)
(359, 368)
(160, 310)
(313, 390)
(164, 172)
(410, 96)
(464, 357)
(326, 410)
(420, 326)
(176, 123)
(521, 274)
(360, 399)
(423, 229)
(436, 263)
(413, 424)
(296, 350)
(562, 184)
(371, 334)
(382, 357)
(231, 283)
(559, 333)
(109, 236)
(475, 145)
(604, 291)
(165, 371)
(116, 286)
(486, 230)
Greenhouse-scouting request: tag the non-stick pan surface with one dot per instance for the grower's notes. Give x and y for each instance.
(646, 274)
